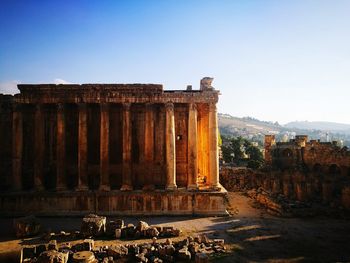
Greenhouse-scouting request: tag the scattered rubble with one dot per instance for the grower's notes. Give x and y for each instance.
(290, 193)
(196, 249)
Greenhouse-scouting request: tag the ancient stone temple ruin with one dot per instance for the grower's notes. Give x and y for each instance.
(311, 156)
(111, 149)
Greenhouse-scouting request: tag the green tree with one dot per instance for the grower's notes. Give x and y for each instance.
(237, 148)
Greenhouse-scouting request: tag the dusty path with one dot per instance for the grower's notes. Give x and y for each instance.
(251, 234)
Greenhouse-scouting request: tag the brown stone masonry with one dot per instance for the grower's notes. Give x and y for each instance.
(84, 147)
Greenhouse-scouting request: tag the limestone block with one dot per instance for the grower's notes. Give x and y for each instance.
(111, 226)
(141, 226)
(28, 252)
(141, 257)
(117, 251)
(26, 226)
(84, 257)
(52, 256)
(128, 232)
(184, 254)
(118, 233)
(52, 245)
(152, 232)
(40, 248)
(93, 225)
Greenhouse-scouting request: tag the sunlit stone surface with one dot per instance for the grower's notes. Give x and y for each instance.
(110, 148)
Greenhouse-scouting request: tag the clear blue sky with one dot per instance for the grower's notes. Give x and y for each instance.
(273, 60)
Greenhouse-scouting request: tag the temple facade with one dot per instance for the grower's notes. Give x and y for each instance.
(110, 148)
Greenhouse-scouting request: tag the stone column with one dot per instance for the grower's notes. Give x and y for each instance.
(213, 147)
(192, 147)
(104, 148)
(61, 182)
(149, 133)
(17, 147)
(82, 148)
(126, 179)
(170, 147)
(38, 148)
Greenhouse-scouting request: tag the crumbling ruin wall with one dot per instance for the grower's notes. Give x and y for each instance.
(312, 156)
(329, 189)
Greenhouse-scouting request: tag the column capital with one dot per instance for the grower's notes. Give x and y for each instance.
(82, 105)
(38, 106)
(126, 106)
(16, 107)
(60, 107)
(104, 106)
(212, 106)
(169, 106)
(149, 104)
(192, 106)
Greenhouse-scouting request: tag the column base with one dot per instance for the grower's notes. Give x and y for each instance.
(82, 188)
(215, 187)
(39, 188)
(149, 187)
(192, 187)
(104, 188)
(126, 187)
(171, 187)
(61, 188)
(38, 185)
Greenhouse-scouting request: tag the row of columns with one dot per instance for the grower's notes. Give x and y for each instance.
(127, 183)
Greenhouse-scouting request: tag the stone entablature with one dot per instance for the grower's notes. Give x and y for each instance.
(117, 93)
(108, 138)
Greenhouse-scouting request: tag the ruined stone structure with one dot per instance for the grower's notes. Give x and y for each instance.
(111, 149)
(313, 155)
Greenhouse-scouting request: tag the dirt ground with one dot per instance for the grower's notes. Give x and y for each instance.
(250, 235)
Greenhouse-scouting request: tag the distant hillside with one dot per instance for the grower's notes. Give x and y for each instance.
(256, 130)
(319, 125)
(248, 124)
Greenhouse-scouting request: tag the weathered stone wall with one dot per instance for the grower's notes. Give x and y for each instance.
(328, 189)
(316, 156)
(6, 110)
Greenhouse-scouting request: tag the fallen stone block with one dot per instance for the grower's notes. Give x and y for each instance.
(93, 225)
(184, 254)
(118, 233)
(111, 226)
(141, 258)
(117, 251)
(84, 257)
(151, 232)
(28, 252)
(52, 245)
(219, 241)
(128, 232)
(86, 245)
(141, 226)
(41, 248)
(26, 226)
(52, 256)
(65, 246)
